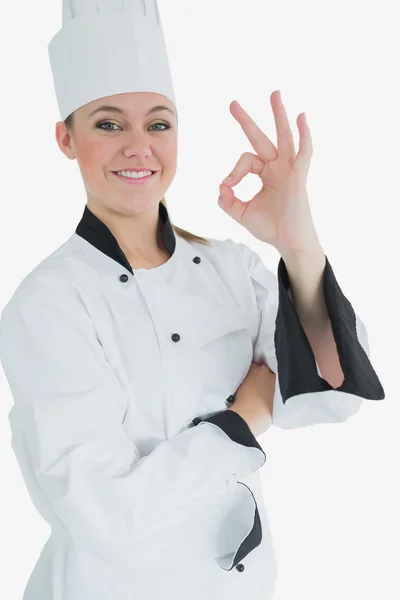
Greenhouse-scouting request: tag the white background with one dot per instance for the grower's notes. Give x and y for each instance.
(332, 489)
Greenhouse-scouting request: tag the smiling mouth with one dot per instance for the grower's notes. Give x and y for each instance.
(142, 171)
(134, 179)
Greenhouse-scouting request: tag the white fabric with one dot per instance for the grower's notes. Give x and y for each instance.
(108, 47)
(141, 505)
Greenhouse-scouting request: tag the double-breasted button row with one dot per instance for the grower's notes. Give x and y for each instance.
(124, 277)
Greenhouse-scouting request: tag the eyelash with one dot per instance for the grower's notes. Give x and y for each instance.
(108, 129)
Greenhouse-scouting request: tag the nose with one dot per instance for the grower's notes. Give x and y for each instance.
(139, 152)
(138, 146)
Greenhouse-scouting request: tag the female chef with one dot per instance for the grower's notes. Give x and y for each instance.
(126, 346)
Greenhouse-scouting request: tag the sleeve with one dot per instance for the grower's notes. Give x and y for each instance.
(302, 396)
(86, 474)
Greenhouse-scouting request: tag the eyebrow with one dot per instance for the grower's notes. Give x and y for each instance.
(109, 108)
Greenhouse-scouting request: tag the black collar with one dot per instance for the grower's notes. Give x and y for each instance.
(94, 231)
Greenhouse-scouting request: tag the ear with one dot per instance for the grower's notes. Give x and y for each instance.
(63, 138)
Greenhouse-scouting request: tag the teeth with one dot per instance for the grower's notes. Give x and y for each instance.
(134, 174)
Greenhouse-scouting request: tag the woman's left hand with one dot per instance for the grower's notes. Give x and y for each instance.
(279, 213)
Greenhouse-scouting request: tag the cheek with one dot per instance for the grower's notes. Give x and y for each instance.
(94, 154)
(170, 152)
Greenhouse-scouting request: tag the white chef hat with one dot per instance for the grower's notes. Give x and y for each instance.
(108, 47)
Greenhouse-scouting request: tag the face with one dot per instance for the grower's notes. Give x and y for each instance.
(129, 137)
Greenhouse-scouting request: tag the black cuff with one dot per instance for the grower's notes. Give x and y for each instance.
(297, 371)
(234, 426)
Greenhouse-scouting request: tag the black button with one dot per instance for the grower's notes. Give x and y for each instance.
(240, 567)
(197, 259)
(124, 278)
(196, 421)
(175, 337)
(230, 399)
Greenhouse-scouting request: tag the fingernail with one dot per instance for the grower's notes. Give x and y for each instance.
(228, 178)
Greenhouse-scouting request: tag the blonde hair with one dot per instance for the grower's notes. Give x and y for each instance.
(186, 235)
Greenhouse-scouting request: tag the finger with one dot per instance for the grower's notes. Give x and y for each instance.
(284, 134)
(231, 204)
(303, 158)
(247, 163)
(257, 138)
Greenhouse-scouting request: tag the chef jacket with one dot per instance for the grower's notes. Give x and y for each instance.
(121, 380)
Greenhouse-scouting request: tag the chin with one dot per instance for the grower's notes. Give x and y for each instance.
(136, 204)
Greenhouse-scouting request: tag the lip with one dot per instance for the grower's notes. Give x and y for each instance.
(137, 169)
(132, 181)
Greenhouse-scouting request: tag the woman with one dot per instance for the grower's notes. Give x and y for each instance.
(142, 359)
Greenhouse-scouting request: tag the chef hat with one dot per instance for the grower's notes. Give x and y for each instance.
(108, 47)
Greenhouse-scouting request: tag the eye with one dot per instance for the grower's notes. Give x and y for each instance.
(100, 125)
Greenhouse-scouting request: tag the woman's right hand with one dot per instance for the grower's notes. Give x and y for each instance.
(254, 398)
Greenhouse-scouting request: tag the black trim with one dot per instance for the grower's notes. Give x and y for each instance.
(235, 427)
(254, 538)
(94, 231)
(297, 371)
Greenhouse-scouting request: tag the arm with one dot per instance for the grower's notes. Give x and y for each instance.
(302, 396)
(306, 280)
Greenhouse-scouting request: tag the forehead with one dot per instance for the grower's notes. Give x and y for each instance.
(131, 105)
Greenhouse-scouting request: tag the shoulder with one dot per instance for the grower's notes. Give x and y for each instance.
(49, 284)
(226, 249)
(236, 254)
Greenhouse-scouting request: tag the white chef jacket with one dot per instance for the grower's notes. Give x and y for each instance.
(121, 381)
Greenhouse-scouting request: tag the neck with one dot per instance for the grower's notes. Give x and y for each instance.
(139, 236)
